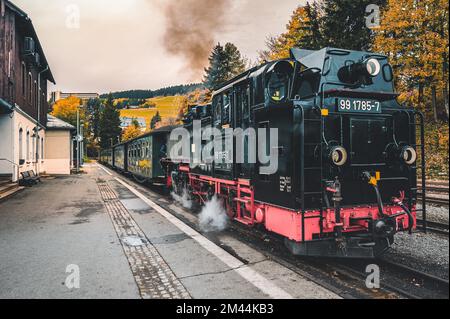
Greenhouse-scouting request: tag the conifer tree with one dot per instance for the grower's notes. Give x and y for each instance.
(109, 127)
(225, 62)
(155, 120)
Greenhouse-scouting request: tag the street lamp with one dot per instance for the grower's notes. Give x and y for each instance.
(79, 138)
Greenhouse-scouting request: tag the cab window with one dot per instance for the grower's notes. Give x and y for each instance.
(308, 85)
(277, 87)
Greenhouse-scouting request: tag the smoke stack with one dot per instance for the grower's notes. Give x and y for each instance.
(191, 26)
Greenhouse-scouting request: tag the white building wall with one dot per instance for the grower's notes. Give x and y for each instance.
(6, 141)
(10, 147)
(29, 144)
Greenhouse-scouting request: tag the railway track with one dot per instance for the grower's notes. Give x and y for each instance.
(344, 277)
(404, 280)
(435, 227)
(437, 193)
(421, 284)
(437, 201)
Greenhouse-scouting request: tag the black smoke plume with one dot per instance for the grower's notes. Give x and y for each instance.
(191, 27)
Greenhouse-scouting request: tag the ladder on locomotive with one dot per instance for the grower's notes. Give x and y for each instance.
(317, 146)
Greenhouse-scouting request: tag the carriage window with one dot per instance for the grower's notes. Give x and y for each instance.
(217, 109)
(277, 87)
(226, 115)
(246, 103)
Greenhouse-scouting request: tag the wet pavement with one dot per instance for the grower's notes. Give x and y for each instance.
(123, 246)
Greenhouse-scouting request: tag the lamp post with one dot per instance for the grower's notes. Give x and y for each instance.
(79, 138)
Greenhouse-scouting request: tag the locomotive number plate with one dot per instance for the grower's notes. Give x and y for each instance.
(358, 106)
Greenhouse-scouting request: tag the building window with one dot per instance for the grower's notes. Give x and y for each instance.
(33, 150)
(36, 95)
(30, 87)
(21, 144)
(28, 146)
(42, 148)
(24, 79)
(38, 146)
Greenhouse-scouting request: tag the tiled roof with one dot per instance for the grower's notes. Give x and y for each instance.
(54, 123)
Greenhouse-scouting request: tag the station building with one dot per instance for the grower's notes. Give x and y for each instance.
(24, 74)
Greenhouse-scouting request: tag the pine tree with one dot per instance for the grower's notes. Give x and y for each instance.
(318, 24)
(155, 119)
(109, 128)
(234, 63)
(224, 64)
(343, 24)
(94, 114)
(302, 31)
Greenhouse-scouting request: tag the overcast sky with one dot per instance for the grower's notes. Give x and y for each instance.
(119, 44)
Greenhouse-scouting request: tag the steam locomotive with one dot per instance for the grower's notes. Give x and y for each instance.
(347, 153)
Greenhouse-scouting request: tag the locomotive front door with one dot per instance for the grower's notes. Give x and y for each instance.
(368, 141)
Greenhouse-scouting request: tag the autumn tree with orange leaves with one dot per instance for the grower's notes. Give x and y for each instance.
(414, 35)
(66, 110)
(132, 131)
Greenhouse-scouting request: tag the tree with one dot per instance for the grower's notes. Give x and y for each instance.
(319, 24)
(224, 64)
(109, 127)
(66, 110)
(132, 131)
(414, 34)
(155, 119)
(343, 24)
(93, 109)
(302, 31)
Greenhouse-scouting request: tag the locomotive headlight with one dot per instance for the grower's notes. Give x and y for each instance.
(408, 155)
(338, 155)
(373, 67)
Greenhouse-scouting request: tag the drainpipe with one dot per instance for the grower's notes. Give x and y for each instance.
(39, 119)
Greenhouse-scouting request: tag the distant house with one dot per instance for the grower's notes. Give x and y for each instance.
(127, 121)
(58, 95)
(59, 146)
(24, 73)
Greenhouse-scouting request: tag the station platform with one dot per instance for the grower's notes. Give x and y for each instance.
(124, 245)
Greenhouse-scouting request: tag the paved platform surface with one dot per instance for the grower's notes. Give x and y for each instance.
(124, 246)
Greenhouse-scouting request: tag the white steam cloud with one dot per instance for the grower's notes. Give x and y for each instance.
(213, 216)
(183, 199)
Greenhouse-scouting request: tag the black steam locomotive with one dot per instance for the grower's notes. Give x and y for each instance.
(346, 177)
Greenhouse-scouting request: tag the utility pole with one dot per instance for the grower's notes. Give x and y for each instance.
(78, 140)
(38, 122)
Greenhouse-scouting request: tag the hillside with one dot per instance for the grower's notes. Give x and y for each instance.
(147, 94)
(167, 106)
